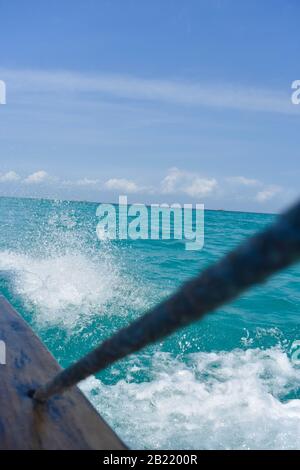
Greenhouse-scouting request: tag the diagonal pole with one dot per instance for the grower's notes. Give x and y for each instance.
(250, 263)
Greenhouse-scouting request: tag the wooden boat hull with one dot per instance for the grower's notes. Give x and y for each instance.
(64, 422)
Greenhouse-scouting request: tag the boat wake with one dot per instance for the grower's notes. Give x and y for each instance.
(227, 400)
(76, 290)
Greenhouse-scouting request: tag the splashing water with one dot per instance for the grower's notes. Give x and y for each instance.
(225, 400)
(70, 283)
(227, 382)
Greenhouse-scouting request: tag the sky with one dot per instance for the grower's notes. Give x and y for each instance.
(163, 101)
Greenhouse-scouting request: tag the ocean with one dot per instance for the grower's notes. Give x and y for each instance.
(227, 382)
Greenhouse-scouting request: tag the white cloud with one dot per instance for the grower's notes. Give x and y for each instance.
(268, 193)
(122, 184)
(231, 96)
(176, 182)
(188, 183)
(169, 183)
(243, 181)
(87, 182)
(245, 188)
(199, 187)
(37, 177)
(84, 182)
(9, 177)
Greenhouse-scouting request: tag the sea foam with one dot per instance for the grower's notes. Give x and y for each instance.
(218, 400)
(75, 291)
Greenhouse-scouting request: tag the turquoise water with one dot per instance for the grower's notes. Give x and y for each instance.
(227, 382)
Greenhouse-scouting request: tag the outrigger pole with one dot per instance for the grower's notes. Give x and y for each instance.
(250, 263)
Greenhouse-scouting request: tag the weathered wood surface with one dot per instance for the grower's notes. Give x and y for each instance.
(64, 422)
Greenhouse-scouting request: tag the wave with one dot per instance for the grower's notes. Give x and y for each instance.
(75, 290)
(64, 276)
(225, 400)
(62, 287)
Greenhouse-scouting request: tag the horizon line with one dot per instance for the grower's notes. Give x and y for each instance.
(87, 201)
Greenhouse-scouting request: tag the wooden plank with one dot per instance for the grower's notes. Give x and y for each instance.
(64, 422)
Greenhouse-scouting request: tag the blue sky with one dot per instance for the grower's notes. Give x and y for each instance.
(166, 101)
